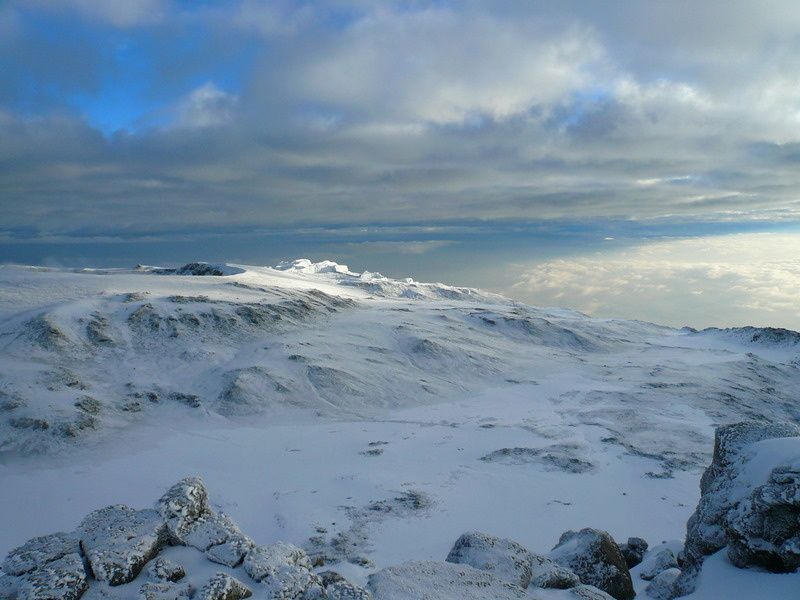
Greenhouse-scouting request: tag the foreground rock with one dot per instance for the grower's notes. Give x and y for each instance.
(118, 541)
(444, 580)
(507, 560)
(661, 561)
(546, 573)
(510, 562)
(117, 550)
(338, 588)
(284, 569)
(595, 557)
(224, 587)
(165, 590)
(762, 527)
(662, 587)
(633, 551)
(764, 530)
(63, 578)
(45, 567)
(182, 505)
(428, 580)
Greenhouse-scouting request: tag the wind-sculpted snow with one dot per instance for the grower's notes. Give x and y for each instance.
(769, 337)
(379, 285)
(87, 352)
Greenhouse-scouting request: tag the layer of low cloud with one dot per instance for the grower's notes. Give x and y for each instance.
(742, 279)
(278, 113)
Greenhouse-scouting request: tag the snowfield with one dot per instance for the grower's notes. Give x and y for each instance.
(371, 421)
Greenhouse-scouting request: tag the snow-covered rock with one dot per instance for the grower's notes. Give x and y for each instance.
(165, 590)
(62, 579)
(113, 545)
(764, 529)
(44, 568)
(210, 530)
(284, 570)
(182, 505)
(164, 569)
(729, 480)
(118, 541)
(662, 587)
(224, 587)
(633, 551)
(546, 573)
(443, 581)
(232, 551)
(39, 551)
(506, 559)
(338, 588)
(595, 557)
(660, 561)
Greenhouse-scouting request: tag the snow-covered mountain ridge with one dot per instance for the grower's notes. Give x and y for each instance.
(87, 350)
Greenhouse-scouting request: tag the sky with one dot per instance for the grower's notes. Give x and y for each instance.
(628, 159)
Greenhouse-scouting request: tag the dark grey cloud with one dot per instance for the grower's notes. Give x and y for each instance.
(284, 114)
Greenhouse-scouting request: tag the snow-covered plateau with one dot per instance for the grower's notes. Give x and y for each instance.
(352, 423)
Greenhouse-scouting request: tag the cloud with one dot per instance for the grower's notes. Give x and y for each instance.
(401, 247)
(119, 13)
(740, 279)
(440, 66)
(275, 113)
(205, 106)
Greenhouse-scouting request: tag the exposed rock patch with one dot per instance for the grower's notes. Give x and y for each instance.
(595, 557)
(556, 457)
(633, 551)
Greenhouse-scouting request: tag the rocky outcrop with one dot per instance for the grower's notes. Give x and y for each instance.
(165, 590)
(224, 587)
(595, 557)
(164, 569)
(633, 551)
(122, 548)
(441, 580)
(118, 541)
(39, 551)
(662, 587)
(723, 516)
(47, 568)
(546, 573)
(338, 588)
(660, 561)
(510, 562)
(764, 529)
(507, 560)
(284, 569)
(182, 505)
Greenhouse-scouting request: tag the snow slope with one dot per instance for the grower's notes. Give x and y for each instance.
(367, 419)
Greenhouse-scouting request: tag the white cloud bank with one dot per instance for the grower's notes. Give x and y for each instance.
(740, 279)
